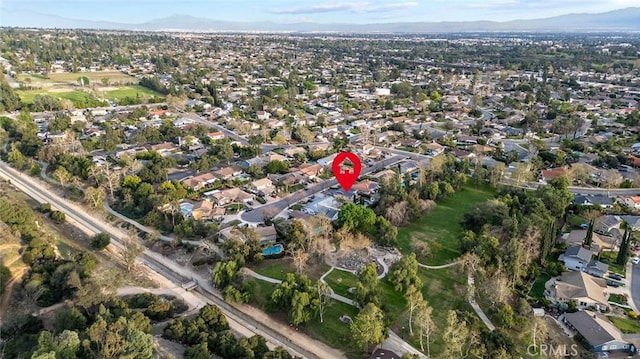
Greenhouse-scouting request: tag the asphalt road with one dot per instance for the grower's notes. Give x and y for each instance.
(300, 347)
(635, 285)
(273, 208)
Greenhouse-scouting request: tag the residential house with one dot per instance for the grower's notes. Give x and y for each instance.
(327, 206)
(231, 195)
(608, 225)
(434, 148)
(632, 202)
(366, 187)
(576, 258)
(579, 287)
(227, 173)
(598, 333)
(384, 354)
(550, 174)
(594, 200)
(327, 161)
(165, 148)
(311, 172)
(599, 242)
(597, 268)
(632, 221)
(200, 181)
(215, 136)
(384, 175)
(202, 210)
(265, 235)
(263, 185)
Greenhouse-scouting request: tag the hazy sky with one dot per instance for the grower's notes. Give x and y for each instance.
(356, 11)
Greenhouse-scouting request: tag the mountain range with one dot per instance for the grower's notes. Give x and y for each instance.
(618, 20)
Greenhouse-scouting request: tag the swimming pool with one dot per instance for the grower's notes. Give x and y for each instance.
(273, 250)
(186, 209)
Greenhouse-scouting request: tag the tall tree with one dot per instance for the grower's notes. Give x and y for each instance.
(623, 253)
(368, 327)
(588, 239)
(368, 287)
(414, 300)
(404, 273)
(426, 324)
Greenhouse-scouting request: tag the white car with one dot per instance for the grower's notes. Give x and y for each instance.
(635, 260)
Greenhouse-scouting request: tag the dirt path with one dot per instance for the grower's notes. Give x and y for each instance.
(10, 245)
(8, 290)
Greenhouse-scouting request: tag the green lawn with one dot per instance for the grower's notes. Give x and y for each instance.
(618, 298)
(131, 91)
(332, 331)
(442, 224)
(77, 97)
(575, 221)
(341, 281)
(626, 325)
(610, 259)
(260, 292)
(537, 289)
(275, 268)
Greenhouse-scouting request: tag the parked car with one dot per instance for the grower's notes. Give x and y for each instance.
(635, 260)
(611, 283)
(250, 203)
(615, 276)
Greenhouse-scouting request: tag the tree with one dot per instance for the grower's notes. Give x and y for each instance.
(131, 252)
(17, 159)
(70, 319)
(368, 287)
(426, 325)
(301, 311)
(588, 239)
(386, 233)
(62, 175)
(277, 166)
(58, 217)
(368, 327)
(357, 218)
(300, 259)
(324, 298)
(522, 173)
(458, 338)
(100, 241)
(414, 300)
(404, 273)
(94, 196)
(623, 253)
(224, 273)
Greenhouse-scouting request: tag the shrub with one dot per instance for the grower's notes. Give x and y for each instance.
(44, 207)
(100, 241)
(632, 314)
(58, 217)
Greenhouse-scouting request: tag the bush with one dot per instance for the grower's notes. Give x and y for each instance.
(142, 300)
(44, 207)
(58, 217)
(100, 241)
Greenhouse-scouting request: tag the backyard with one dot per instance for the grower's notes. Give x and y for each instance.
(626, 325)
(441, 226)
(131, 91)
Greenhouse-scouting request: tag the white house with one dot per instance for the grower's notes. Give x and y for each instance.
(576, 258)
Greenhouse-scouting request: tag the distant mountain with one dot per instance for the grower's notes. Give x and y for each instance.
(618, 20)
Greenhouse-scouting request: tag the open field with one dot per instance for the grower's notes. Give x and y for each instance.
(442, 224)
(131, 91)
(113, 76)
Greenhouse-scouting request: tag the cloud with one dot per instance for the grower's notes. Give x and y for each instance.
(354, 7)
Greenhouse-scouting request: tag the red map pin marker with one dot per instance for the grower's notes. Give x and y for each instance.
(346, 174)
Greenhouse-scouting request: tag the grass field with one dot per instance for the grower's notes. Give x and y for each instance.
(442, 224)
(74, 96)
(610, 259)
(341, 281)
(626, 325)
(113, 76)
(131, 91)
(334, 332)
(537, 289)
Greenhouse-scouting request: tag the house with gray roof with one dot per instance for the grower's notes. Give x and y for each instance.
(598, 334)
(576, 258)
(597, 268)
(595, 200)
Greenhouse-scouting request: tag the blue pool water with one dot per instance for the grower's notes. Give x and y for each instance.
(186, 209)
(269, 251)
